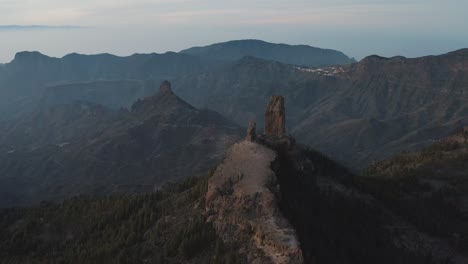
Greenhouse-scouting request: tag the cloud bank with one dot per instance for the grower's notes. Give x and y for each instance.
(36, 27)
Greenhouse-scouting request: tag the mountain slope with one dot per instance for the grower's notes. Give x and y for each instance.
(164, 227)
(356, 113)
(391, 105)
(289, 54)
(162, 139)
(113, 94)
(428, 188)
(241, 89)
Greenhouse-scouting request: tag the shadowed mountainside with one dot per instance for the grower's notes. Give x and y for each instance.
(84, 148)
(428, 188)
(113, 94)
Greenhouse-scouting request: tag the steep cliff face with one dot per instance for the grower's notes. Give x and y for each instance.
(242, 203)
(337, 221)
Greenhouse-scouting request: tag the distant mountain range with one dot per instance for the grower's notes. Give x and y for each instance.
(290, 54)
(23, 80)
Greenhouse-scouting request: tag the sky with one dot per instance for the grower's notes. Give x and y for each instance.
(358, 28)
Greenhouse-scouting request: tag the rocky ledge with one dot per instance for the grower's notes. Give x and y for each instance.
(243, 195)
(242, 204)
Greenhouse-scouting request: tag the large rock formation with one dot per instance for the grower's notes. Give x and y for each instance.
(242, 198)
(275, 116)
(273, 201)
(165, 87)
(275, 126)
(241, 203)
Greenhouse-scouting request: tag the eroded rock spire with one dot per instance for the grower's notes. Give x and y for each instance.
(165, 87)
(275, 117)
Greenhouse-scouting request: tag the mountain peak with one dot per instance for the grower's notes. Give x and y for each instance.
(284, 53)
(274, 135)
(30, 56)
(163, 102)
(165, 87)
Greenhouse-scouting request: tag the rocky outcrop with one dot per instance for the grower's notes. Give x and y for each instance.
(275, 116)
(242, 198)
(251, 132)
(274, 135)
(165, 87)
(242, 204)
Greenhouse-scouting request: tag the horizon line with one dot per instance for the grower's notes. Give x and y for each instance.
(13, 27)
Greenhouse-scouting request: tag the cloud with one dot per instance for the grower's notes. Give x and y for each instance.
(350, 14)
(36, 27)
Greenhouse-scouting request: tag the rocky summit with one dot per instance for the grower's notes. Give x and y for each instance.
(165, 87)
(242, 204)
(242, 197)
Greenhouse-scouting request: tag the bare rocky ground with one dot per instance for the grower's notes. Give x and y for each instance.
(242, 204)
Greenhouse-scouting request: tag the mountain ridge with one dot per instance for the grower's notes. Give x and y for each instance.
(19, 94)
(290, 54)
(389, 105)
